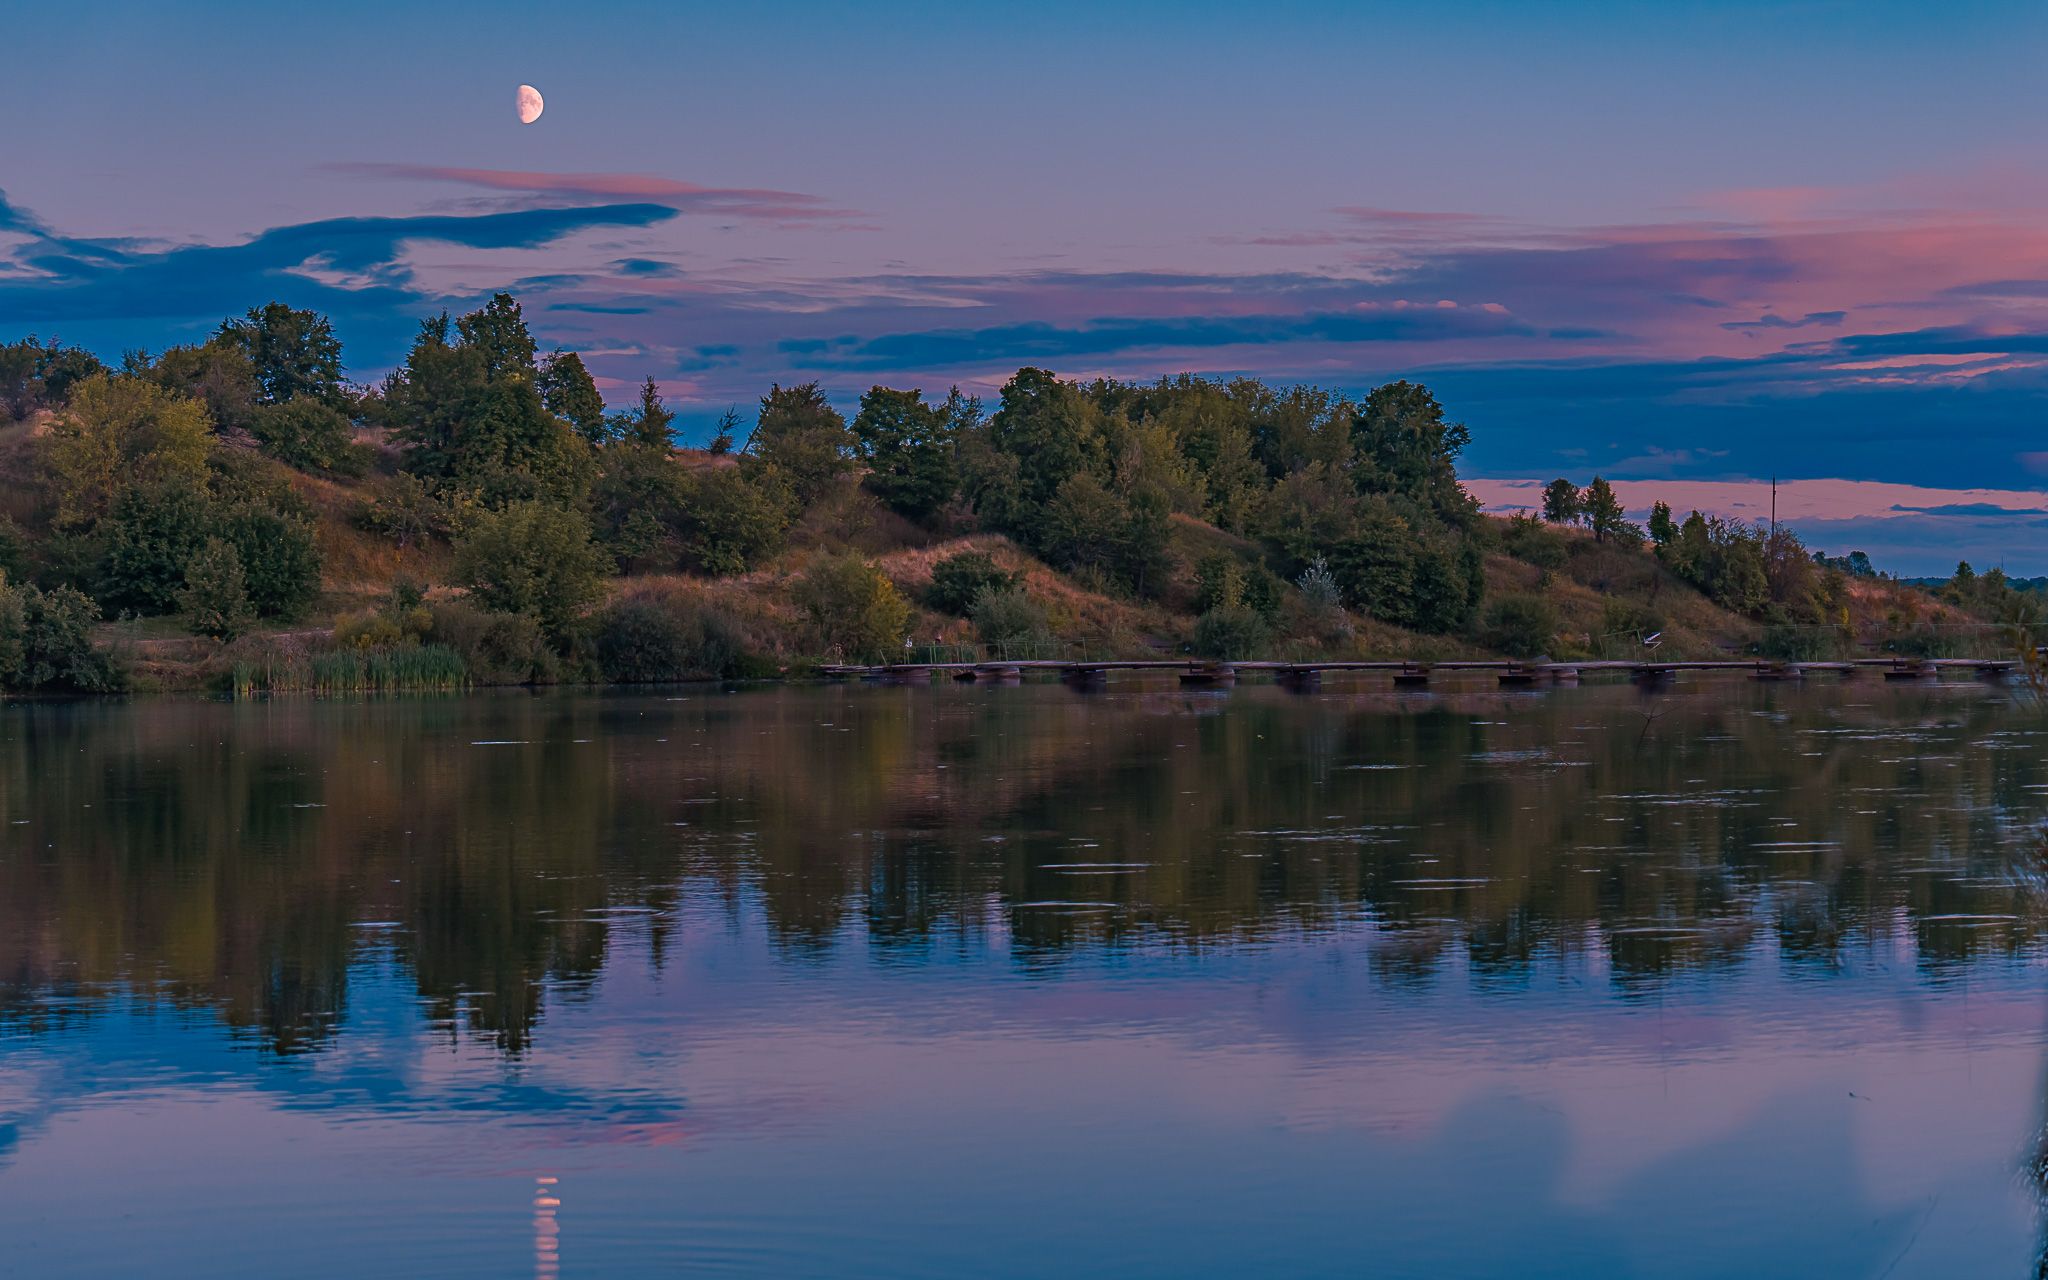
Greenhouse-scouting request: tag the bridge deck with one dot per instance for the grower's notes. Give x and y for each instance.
(1206, 668)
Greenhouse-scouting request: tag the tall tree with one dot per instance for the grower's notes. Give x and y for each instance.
(1663, 529)
(1405, 447)
(1562, 502)
(651, 426)
(294, 352)
(1603, 510)
(569, 392)
(909, 447)
(802, 436)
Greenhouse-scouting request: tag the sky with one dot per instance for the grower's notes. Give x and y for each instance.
(1686, 246)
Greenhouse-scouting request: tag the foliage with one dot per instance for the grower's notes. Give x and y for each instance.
(38, 375)
(406, 510)
(733, 518)
(854, 608)
(1009, 618)
(1604, 514)
(1562, 502)
(1723, 559)
(149, 537)
(960, 580)
(118, 432)
(533, 559)
(1318, 586)
(495, 648)
(294, 353)
(1124, 537)
(46, 643)
(803, 438)
(1232, 632)
(218, 374)
(467, 408)
(309, 434)
(1530, 541)
(644, 639)
(215, 599)
(651, 428)
(1404, 447)
(910, 447)
(1663, 529)
(1519, 626)
(568, 391)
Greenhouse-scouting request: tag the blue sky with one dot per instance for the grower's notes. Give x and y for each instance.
(1673, 243)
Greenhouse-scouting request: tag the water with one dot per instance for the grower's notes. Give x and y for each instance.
(1735, 979)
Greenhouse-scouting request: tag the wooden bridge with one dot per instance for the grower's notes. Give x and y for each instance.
(1309, 675)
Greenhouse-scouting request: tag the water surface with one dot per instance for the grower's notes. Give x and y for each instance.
(1731, 979)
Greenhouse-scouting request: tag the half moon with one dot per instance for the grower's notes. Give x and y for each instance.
(529, 103)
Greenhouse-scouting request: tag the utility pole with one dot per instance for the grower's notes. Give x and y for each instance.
(1774, 509)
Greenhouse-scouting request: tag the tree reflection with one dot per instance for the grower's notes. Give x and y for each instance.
(240, 858)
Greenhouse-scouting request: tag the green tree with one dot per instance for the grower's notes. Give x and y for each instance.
(153, 532)
(732, 518)
(1044, 432)
(1663, 529)
(294, 353)
(651, 426)
(215, 599)
(1562, 502)
(1519, 626)
(803, 437)
(568, 391)
(46, 642)
(854, 608)
(1402, 445)
(535, 559)
(1603, 510)
(279, 557)
(962, 578)
(910, 447)
(118, 432)
(218, 374)
(309, 434)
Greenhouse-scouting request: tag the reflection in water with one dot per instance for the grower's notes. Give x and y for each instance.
(593, 915)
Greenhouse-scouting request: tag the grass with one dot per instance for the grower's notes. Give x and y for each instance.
(429, 668)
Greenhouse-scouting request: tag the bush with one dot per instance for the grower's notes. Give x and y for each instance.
(732, 518)
(1236, 632)
(215, 601)
(1795, 643)
(960, 580)
(496, 648)
(644, 640)
(1534, 543)
(280, 561)
(310, 435)
(1011, 619)
(1628, 618)
(1318, 586)
(153, 532)
(1519, 626)
(46, 643)
(534, 559)
(854, 608)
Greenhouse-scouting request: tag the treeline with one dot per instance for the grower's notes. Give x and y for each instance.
(172, 484)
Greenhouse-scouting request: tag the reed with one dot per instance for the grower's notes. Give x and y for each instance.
(429, 668)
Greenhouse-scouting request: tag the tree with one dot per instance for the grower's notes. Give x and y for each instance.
(215, 598)
(218, 374)
(962, 578)
(803, 437)
(1044, 433)
(1519, 626)
(722, 439)
(535, 559)
(1402, 445)
(732, 518)
(1562, 502)
(651, 425)
(46, 642)
(294, 353)
(307, 433)
(568, 391)
(853, 607)
(1603, 510)
(468, 409)
(909, 447)
(279, 558)
(1663, 529)
(118, 432)
(151, 535)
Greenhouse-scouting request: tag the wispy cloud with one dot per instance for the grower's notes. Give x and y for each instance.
(750, 203)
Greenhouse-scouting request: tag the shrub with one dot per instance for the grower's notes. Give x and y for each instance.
(308, 434)
(280, 561)
(1791, 642)
(215, 601)
(645, 640)
(1532, 542)
(496, 648)
(854, 607)
(1519, 626)
(960, 580)
(153, 532)
(1628, 618)
(1010, 618)
(1318, 586)
(1236, 632)
(732, 518)
(535, 559)
(46, 642)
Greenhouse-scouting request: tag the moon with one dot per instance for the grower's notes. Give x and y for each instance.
(529, 104)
